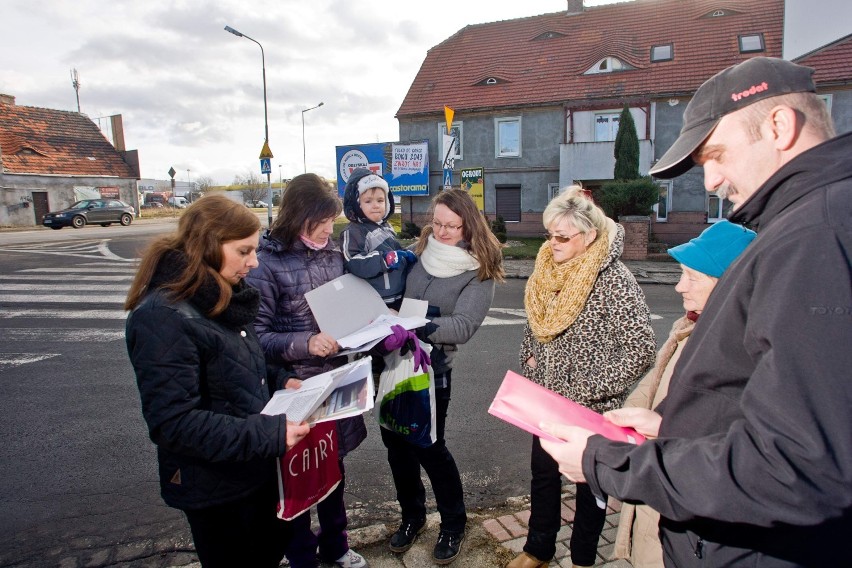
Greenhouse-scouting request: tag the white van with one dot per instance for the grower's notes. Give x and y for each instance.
(178, 202)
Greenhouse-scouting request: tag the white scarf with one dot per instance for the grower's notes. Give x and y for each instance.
(445, 261)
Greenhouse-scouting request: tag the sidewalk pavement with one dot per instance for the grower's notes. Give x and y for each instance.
(645, 271)
(494, 537)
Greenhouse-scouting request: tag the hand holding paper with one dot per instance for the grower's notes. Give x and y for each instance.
(645, 421)
(569, 452)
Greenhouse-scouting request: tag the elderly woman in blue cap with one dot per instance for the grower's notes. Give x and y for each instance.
(702, 261)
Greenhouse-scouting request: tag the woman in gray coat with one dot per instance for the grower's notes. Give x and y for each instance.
(459, 260)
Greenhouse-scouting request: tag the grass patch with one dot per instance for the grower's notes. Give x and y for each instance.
(522, 248)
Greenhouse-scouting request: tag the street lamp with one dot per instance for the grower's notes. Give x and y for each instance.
(304, 161)
(189, 185)
(229, 29)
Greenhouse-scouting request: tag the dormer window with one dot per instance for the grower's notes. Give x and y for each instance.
(548, 35)
(608, 65)
(662, 53)
(751, 43)
(489, 81)
(720, 13)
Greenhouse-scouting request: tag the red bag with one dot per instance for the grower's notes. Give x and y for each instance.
(308, 472)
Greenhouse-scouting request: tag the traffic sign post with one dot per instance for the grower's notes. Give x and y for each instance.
(266, 168)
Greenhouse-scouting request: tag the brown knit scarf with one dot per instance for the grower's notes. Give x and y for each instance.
(557, 293)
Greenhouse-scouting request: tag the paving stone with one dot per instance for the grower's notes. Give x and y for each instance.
(496, 530)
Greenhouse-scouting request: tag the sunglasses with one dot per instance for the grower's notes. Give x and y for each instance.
(559, 238)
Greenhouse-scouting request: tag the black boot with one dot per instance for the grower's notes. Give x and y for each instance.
(406, 535)
(448, 546)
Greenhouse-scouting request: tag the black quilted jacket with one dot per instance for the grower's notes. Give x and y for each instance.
(202, 386)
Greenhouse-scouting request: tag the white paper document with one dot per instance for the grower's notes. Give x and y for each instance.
(353, 313)
(340, 393)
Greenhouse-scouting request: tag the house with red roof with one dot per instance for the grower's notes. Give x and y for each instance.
(537, 99)
(50, 159)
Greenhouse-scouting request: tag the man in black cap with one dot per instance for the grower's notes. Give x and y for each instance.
(753, 463)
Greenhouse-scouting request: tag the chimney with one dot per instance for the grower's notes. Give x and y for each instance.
(574, 7)
(117, 132)
(7, 100)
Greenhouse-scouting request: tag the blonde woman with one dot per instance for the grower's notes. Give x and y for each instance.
(589, 338)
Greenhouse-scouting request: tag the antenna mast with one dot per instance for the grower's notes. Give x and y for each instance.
(75, 80)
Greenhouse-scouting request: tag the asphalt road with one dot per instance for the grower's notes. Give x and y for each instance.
(78, 474)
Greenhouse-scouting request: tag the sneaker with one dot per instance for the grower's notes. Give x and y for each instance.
(404, 538)
(351, 560)
(448, 546)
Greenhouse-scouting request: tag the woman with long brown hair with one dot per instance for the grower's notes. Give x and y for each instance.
(459, 261)
(296, 256)
(202, 380)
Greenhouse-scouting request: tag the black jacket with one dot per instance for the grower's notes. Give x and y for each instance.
(753, 466)
(203, 384)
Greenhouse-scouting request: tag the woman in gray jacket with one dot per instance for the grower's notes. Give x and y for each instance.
(459, 260)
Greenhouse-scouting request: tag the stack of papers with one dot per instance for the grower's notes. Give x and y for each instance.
(353, 313)
(340, 393)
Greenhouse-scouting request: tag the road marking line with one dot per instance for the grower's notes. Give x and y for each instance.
(70, 334)
(62, 288)
(9, 360)
(62, 299)
(107, 269)
(37, 277)
(65, 314)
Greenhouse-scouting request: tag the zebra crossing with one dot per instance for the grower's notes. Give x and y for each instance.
(37, 303)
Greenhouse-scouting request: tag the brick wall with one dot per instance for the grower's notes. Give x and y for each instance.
(680, 227)
(635, 237)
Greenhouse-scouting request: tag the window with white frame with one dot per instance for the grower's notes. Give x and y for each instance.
(508, 133)
(606, 126)
(827, 100)
(716, 208)
(664, 201)
(608, 65)
(552, 191)
(457, 131)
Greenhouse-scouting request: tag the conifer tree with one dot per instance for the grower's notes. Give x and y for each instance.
(626, 148)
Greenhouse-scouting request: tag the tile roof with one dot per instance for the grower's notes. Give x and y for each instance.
(534, 71)
(833, 62)
(46, 141)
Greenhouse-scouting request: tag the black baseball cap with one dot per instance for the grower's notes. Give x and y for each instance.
(730, 90)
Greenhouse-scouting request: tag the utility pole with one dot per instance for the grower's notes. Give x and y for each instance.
(75, 80)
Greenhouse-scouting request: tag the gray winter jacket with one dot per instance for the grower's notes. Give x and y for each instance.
(457, 307)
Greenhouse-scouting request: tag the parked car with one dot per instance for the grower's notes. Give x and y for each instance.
(152, 205)
(255, 204)
(178, 202)
(91, 211)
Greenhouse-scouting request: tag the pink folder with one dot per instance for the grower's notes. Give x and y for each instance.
(525, 404)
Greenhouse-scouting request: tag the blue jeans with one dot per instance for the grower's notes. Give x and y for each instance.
(333, 541)
(406, 460)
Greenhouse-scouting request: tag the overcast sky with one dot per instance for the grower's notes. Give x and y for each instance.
(191, 94)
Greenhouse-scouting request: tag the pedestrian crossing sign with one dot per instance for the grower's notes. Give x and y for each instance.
(265, 166)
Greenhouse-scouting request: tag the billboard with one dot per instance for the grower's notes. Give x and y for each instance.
(473, 181)
(405, 165)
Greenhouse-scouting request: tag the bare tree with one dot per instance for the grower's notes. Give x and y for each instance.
(253, 187)
(202, 185)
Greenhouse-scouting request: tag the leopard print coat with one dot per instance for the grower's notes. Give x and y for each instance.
(607, 349)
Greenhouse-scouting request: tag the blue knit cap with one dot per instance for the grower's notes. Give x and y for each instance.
(714, 249)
